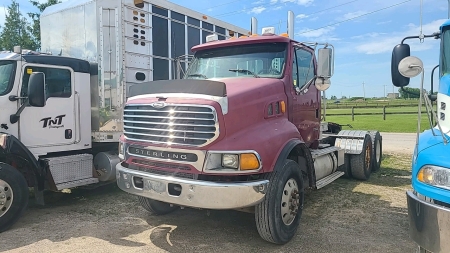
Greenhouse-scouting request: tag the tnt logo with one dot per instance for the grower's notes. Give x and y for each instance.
(53, 123)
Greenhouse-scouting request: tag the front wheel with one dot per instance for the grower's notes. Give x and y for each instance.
(13, 196)
(155, 206)
(278, 215)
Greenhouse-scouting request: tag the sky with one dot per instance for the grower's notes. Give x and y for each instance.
(362, 32)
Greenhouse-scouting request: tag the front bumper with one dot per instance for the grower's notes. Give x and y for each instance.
(429, 224)
(192, 193)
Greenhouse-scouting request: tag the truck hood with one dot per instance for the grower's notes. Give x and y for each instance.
(227, 92)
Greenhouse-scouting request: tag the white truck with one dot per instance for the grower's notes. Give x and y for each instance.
(61, 109)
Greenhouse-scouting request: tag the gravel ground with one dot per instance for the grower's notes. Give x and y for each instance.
(345, 216)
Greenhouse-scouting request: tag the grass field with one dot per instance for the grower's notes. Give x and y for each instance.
(399, 122)
(393, 123)
(375, 110)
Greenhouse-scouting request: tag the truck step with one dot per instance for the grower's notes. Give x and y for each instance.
(68, 169)
(328, 179)
(72, 184)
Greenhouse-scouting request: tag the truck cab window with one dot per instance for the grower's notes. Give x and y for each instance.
(7, 71)
(303, 68)
(264, 60)
(445, 54)
(58, 82)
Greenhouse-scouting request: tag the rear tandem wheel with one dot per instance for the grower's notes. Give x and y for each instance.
(361, 164)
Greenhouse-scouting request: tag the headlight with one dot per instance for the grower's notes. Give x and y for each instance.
(433, 175)
(121, 151)
(233, 162)
(230, 161)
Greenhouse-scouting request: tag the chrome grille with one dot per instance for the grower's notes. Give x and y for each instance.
(173, 124)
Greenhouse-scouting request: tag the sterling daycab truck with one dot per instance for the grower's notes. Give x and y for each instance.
(429, 199)
(242, 130)
(61, 109)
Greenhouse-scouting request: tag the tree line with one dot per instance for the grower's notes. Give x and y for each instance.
(18, 30)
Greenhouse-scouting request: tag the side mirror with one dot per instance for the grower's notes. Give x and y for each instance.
(399, 52)
(410, 66)
(36, 89)
(325, 63)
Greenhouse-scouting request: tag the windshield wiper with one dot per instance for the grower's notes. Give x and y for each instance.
(244, 71)
(198, 75)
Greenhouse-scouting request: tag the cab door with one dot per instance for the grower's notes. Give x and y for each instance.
(305, 113)
(53, 124)
(8, 87)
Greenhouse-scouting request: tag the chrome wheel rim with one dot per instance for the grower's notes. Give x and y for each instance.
(290, 202)
(6, 197)
(378, 150)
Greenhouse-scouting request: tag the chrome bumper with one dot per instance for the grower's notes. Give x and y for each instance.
(429, 224)
(194, 193)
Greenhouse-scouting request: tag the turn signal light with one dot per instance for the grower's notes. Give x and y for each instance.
(249, 162)
(283, 106)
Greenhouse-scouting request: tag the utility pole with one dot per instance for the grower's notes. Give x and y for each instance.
(364, 89)
(385, 87)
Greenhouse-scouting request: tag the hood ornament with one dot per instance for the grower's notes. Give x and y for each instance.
(158, 105)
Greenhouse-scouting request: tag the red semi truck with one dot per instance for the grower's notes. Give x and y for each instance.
(242, 130)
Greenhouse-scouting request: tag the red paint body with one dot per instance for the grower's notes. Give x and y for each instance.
(245, 126)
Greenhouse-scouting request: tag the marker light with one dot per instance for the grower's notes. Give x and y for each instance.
(434, 175)
(268, 30)
(212, 37)
(249, 162)
(121, 151)
(283, 106)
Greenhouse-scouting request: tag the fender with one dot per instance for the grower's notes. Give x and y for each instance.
(300, 149)
(13, 149)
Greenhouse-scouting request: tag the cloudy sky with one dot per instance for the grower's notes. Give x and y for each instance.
(362, 32)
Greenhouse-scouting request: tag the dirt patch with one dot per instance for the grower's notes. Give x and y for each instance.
(346, 216)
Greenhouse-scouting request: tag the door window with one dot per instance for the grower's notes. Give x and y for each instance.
(303, 68)
(7, 72)
(58, 82)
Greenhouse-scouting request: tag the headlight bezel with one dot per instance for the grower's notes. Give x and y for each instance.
(433, 175)
(215, 164)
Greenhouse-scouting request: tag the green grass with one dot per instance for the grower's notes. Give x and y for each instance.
(376, 110)
(406, 123)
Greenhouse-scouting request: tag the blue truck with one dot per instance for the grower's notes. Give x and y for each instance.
(429, 199)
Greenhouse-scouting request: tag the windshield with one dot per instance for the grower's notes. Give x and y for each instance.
(445, 52)
(7, 69)
(255, 60)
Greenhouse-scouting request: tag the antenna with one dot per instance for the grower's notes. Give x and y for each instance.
(421, 36)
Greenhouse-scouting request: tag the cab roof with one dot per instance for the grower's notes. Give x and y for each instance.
(243, 41)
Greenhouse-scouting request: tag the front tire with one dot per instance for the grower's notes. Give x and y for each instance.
(156, 207)
(278, 215)
(13, 196)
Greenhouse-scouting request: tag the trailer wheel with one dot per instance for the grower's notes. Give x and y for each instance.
(155, 206)
(278, 215)
(376, 149)
(361, 164)
(13, 196)
(346, 167)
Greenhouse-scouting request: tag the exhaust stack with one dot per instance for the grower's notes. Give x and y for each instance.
(254, 25)
(290, 24)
